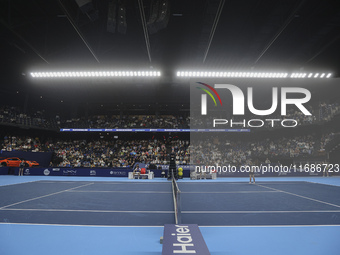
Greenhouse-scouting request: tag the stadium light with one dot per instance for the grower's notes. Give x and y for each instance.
(84, 74)
(186, 74)
(238, 74)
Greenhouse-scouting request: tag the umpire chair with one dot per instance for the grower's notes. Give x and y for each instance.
(172, 173)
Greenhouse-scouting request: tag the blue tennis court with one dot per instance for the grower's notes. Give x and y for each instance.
(151, 204)
(263, 203)
(126, 213)
(88, 203)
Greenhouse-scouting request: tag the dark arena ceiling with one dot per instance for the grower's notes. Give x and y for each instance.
(164, 35)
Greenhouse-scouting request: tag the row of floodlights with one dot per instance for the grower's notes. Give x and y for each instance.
(96, 74)
(252, 74)
(179, 74)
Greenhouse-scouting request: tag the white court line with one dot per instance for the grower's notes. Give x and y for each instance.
(91, 211)
(162, 226)
(238, 183)
(236, 212)
(120, 191)
(133, 182)
(108, 182)
(312, 199)
(224, 192)
(16, 183)
(325, 184)
(152, 212)
(168, 192)
(68, 182)
(268, 226)
(75, 225)
(212, 183)
(44, 196)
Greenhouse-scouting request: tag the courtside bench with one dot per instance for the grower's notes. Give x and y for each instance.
(148, 175)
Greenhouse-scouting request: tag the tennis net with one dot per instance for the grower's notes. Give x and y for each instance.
(177, 201)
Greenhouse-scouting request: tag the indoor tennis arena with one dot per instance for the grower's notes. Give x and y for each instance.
(138, 127)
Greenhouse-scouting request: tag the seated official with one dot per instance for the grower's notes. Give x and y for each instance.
(162, 172)
(136, 171)
(203, 174)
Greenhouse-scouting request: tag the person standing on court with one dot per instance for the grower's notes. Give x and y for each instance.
(251, 174)
(326, 171)
(251, 170)
(21, 168)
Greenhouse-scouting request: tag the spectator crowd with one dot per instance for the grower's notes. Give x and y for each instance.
(216, 151)
(102, 153)
(125, 153)
(39, 119)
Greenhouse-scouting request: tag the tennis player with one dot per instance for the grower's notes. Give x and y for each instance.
(326, 171)
(251, 171)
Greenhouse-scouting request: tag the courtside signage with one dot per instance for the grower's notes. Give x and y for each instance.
(183, 239)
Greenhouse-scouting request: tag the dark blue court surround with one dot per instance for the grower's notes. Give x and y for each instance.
(4, 170)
